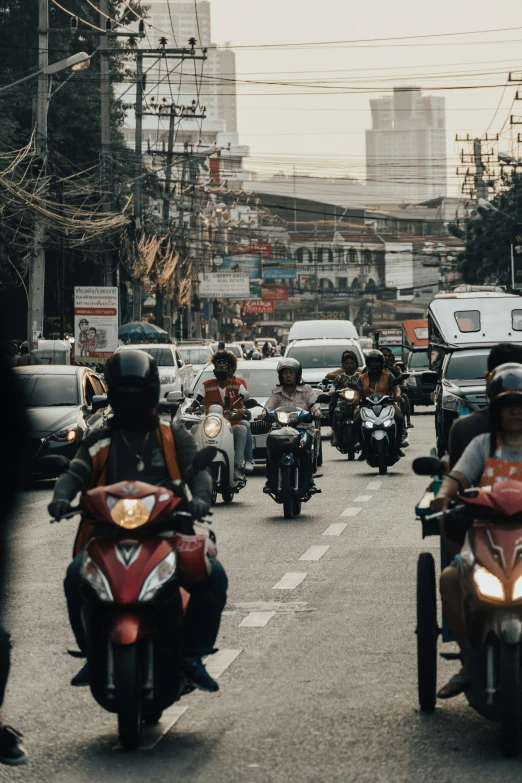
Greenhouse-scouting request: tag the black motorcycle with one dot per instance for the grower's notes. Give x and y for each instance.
(343, 419)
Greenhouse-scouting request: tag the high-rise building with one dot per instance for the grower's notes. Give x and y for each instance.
(406, 146)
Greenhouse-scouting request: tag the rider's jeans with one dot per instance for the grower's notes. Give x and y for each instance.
(240, 438)
(201, 621)
(249, 447)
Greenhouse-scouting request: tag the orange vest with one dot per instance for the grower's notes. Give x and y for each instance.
(99, 453)
(497, 469)
(383, 385)
(213, 394)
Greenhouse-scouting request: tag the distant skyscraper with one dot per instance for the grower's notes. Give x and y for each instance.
(406, 146)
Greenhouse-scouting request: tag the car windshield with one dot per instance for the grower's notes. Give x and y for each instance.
(196, 355)
(320, 356)
(162, 356)
(260, 381)
(419, 361)
(471, 367)
(42, 391)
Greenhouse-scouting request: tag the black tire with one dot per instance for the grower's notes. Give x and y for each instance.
(151, 718)
(382, 460)
(510, 696)
(297, 506)
(320, 454)
(287, 493)
(351, 454)
(227, 496)
(412, 408)
(214, 494)
(127, 680)
(427, 632)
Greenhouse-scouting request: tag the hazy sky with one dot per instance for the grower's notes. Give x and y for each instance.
(322, 132)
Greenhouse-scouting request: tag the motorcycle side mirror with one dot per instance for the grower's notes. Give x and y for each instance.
(174, 396)
(249, 404)
(53, 465)
(427, 466)
(189, 393)
(429, 377)
(204, 458)
(99, 401)
(400, 379)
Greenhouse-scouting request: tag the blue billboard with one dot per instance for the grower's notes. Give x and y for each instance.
(248, 263)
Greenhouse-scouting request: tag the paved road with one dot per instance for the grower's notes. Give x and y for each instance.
(317, 682)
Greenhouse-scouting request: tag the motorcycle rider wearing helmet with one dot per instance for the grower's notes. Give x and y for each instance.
(136, 446)
(390, 363)
(291, 390)
(339, 379)
(225, 390)
(375, 379)
(489, 458)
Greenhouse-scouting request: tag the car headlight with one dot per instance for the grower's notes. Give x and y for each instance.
(167, 379)
(517, 589)
(488, 585)
(97, 580)
(368, 425)
(450, 401)
(282, 417)
(157, 578)
(212, 426)
(412, 381)
(67, 435)
(348, 395)
(130, 512)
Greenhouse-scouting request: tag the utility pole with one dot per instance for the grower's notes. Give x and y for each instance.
(35, 316)
(105, 100)
(136, 285)
(160, 314)
(481, 187)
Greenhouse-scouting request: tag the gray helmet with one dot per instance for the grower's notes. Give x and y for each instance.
(290, 364)
(375, 356)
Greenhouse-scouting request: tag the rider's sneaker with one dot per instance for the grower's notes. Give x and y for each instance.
(267, 489)
(197, 673)
(248, 467)
(238, 474)
(361, 457)
(12, 752)
(401, 453)
(81, 679)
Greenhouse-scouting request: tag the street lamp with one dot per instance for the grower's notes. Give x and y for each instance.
(77, 62)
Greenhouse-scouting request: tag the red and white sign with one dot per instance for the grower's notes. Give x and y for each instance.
(279, 292)
(95, 323)
(258, 306)
(264, 249)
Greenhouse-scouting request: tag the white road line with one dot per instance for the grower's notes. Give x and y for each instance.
(219, 663)
(256, 619)
(350, 512)
(289, 581)
(153, 734)
(314, 553)
(335, 529)
(374, 485)
(363, 498)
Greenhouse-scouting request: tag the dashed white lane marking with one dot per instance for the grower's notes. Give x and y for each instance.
(363, 498)
(219, 663)
(374, 485)
(335, 529)
(314, 553)
(256, 619)
(289, 581)
(350, 512)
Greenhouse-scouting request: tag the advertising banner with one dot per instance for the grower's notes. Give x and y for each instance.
(262, 248)
(245, 262)
(258, 306)
(224, 285)
(279, 292)
(279, 273)
(95, 323)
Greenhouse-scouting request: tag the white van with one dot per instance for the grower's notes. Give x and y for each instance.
(313, 330)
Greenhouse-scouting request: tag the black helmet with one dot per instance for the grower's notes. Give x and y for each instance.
(352, 354)
(137, 370)
(375, 356)
(290, 364)
(224, 359)
(504, 386)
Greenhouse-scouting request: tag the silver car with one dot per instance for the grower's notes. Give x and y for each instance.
(175, 373)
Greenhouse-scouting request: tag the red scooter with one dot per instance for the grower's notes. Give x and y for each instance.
(133, 604)
(489, 522)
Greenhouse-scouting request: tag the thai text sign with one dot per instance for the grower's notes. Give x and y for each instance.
(226, 285)
(258, 306)
(95, 322)
(279, 292)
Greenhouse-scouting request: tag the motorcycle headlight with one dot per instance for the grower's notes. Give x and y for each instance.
(488, 585)
(517, 589)
(92, 574)
(130, 512)
(67, 435)
(450, 402)
(388, 422)
(283, 417)
(348, 395)
(157, 578)
(368, 425)
(212, 426)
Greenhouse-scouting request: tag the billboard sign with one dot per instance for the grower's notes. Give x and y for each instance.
(245, 262)
(224, 285)
(261, 248)
(258, 306)
(280, 270)
(279, 292)
(95, 322)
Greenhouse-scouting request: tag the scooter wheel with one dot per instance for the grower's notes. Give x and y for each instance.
(228, 497)
(287, 493)
(509, 695)
(427, 632)
(381, 458)
(151, 718)
(214, 496)
(127, 682)
(351, 454)
(320, 454)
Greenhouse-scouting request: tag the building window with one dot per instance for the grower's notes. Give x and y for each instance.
(304, 256)
(352, 255)
(342, 282)
(324, 254)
